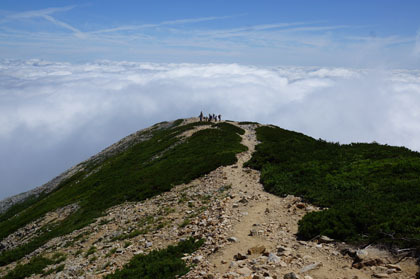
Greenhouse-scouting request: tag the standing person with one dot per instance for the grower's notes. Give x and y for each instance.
(209, 117)
(220, 117)
(201, 116)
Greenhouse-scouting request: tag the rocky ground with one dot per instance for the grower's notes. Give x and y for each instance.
(248, 233)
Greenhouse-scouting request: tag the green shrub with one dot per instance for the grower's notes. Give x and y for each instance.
(36, 266)
(372, 191)
(165, 264)
(91, 251)
(133, 175)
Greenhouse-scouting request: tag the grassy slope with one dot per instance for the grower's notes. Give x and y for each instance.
(165, 264)
(372, 191)
(35, 266)
(133, 175)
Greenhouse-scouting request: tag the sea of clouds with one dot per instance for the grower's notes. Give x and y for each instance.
(54, 115)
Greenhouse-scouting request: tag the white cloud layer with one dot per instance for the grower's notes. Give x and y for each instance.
(53, 115)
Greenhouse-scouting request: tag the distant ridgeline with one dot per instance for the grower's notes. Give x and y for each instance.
(371, 191)
(144, 169)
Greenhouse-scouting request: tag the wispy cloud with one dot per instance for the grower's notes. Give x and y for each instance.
(36, 13)
(310, 43)
(65, 25)
(163, 23)
(47, 15)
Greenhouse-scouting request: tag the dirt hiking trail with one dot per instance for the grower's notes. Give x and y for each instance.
(262, 242)
(248, 233)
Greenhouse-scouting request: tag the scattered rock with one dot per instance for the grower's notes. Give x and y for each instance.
(210, 206)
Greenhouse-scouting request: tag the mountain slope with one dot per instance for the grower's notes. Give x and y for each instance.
(372, 191)
(142, 170)
(227, 208)
(22, 200)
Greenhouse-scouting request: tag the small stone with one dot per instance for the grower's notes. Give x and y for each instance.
(253, 232)
(310, 267)
(290, 275)
(243, 200)
(325, 239)
(272, 258)
(232, 239)
(380, 275)
(197, 259)
(394, 266)
(239, 257)
(256, 250)
(300, 205)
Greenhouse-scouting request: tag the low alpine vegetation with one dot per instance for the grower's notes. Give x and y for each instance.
(165, 264)
(144, 170)
(372, 191)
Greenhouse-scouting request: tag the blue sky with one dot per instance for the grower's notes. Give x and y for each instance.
(323, 33)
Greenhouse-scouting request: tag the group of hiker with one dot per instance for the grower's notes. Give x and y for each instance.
(211, 117)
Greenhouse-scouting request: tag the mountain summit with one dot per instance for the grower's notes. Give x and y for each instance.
(220, 199)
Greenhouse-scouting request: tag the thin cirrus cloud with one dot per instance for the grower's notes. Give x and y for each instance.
(163, 23)
(27, 35)
(54, 114)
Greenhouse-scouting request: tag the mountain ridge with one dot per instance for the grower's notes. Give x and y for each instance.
(46, 188)
(227, 208)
